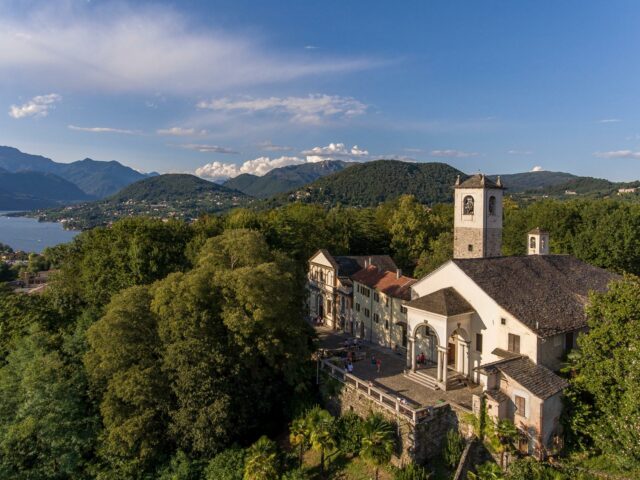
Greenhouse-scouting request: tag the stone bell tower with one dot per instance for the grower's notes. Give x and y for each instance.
(538, 242)
(477, 224)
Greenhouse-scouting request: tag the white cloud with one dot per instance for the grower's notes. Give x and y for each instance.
(103, 130)
(38, 106)
(537, 168)
(114, 48)
(181, 132)
(270, 147)
(206, 148)
(312, 109)
(520, 152)
(609, 120)
(414, 150)
(452, 153)
(618, 154)
(335, 151)
(258, 166)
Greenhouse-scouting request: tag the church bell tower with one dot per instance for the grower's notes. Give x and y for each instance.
(477, 225)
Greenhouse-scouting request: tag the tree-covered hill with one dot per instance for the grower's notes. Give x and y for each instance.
(371, 183)
(95, 178)
(162, 196)
(525, 181)
(28, 190)
(283, 179)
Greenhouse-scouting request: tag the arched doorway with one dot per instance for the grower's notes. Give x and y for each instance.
(426, 343)
(320, 306)
(458, 351)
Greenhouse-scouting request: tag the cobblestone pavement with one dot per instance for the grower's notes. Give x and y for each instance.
(391, 373)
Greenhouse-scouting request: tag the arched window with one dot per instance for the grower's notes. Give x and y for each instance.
(467, 205)
(492, 205)
(532, 242)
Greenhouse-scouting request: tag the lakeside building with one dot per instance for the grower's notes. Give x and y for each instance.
(505, 323)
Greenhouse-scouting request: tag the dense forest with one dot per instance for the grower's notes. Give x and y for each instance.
(173, 350)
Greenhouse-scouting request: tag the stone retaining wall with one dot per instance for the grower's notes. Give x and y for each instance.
(417, 443)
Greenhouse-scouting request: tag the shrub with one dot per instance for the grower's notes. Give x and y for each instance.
(349, 433)
(411, 472)
(453, 448)
(227, 465)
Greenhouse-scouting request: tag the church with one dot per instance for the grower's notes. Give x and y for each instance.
(505, 323)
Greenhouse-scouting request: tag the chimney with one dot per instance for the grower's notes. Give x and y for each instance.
(370, 261)
(398, 273)
(457, 181)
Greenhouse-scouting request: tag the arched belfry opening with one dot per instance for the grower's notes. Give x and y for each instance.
(478, 217)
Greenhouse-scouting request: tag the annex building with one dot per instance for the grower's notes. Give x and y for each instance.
(505, 323)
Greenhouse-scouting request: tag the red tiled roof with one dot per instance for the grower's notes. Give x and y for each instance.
(385, 282)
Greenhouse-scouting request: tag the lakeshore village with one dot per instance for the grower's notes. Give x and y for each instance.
(481, 333)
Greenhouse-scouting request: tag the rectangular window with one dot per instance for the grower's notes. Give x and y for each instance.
(479, 342)
(376, 297)
(367, 292)
(403, 310)
(521, 406)
(386, 301)
(367, 313)
(514, 343)
(376, 317)
(503, 321)
(357, 307)
(568, 341)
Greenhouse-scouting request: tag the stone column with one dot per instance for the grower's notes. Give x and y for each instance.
(467, 359)
(412, 352)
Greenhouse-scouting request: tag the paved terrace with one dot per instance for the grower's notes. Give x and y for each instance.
(391, 376)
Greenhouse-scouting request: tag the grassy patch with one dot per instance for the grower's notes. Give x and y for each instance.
(342, 467)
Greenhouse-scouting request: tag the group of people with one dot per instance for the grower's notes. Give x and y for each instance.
(421, 359)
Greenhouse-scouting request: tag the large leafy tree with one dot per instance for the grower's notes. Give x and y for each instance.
(201, 359)
(47, 425)
(607, 372)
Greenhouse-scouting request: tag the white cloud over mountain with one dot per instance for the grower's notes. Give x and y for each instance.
(38, 106)
(103, 130)
(262, 165)
(258, 166)
(618, 154)
(312, 109)
(181, 132)
(452, 153)
(115, 48)
(206, 148)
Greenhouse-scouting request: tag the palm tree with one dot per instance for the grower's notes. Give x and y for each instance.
(507, 433)
(299, 435)
(261, 462)
(320, 426)
(378, 441)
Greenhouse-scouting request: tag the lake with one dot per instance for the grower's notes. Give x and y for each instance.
(29, 235)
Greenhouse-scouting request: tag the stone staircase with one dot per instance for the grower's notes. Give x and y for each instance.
(422, 378)
(454, 380)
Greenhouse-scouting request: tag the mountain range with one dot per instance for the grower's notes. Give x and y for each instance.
(283, 179)
(33, 181)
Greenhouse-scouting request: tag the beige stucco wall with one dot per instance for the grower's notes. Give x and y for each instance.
(486, 320)
(385, 332)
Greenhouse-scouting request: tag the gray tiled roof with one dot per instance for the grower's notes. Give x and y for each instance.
(537, 379)
(348, 265)
(447, 302)
(548, 293)
(479, 181)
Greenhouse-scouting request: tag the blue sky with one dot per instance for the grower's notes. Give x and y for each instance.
(225, 87)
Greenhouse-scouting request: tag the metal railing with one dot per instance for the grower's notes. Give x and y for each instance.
(389, 401)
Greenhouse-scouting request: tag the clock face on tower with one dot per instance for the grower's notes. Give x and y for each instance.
(467, 205)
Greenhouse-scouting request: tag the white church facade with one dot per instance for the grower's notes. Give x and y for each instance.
(505, 323)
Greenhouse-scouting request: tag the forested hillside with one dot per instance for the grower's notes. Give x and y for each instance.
(371, 183)
(284, 179)
(30, 190)
(166, 349)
